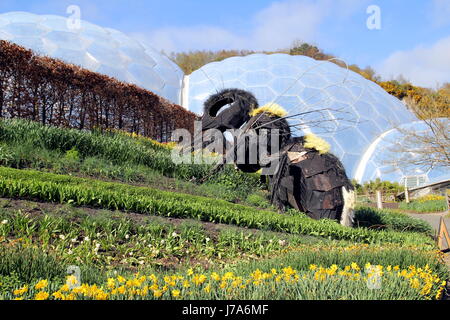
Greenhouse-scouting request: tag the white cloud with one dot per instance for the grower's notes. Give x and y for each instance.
(283, 22)
(423, 66)
(173, 39)
(440, 13)
(274, 27)
(89, 10)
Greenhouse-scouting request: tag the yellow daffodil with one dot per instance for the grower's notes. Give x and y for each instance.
(41, 285)
(121, 290)
(198, 279)
(65, 288)
(228, 276)
(215, 276)
(157, 293)
(58, 295)
(176, 293)
(111, 283)
(355, 266)
(21, 291)
(41, 296)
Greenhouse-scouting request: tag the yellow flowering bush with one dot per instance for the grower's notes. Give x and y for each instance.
(430, 197)
(168, 145)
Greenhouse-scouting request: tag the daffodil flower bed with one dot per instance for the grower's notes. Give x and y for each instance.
(348, 282)
(35, 246)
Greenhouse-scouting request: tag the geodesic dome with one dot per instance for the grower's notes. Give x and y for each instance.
(98, 49)
(358, 136)
(359, 113)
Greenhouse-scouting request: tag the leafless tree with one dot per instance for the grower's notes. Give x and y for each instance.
(426, 149)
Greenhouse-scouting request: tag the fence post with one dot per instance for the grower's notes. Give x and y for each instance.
(379, 200)
(447, 197)
(406, 191)
(442, 234)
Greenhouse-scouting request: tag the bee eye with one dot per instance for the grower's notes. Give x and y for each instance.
(220, 107)
(228, 109)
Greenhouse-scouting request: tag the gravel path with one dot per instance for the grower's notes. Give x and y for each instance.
(433, 219)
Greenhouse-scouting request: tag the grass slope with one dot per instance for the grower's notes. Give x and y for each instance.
(154, 218)
(114, 156)
(85, 192)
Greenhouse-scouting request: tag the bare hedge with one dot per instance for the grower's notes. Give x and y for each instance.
(56, 93)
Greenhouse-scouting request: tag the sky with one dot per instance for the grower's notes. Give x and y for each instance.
(395, 37)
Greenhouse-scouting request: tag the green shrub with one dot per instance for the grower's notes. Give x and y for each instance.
(237, 181)
(424, 207)
(72, 155)
(215, 190)
(385, 219)
(258, 199)
(29, 263)
(9, 283)
(6, 157)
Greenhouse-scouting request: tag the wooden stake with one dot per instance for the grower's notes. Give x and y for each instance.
(447, 197)
(406, 191)
(443, 233)
(379, 200)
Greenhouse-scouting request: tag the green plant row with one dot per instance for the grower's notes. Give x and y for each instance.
(384, 219)
(28, 156)
(115, 196)
(424, 207)
(112, 239)
(21, 136)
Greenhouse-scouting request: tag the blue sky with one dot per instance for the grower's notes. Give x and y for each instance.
(414, 39)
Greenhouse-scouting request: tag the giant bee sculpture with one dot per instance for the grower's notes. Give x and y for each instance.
(307, 176)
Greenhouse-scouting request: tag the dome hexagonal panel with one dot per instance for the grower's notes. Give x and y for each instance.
(356, 111)
(67, 40)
